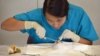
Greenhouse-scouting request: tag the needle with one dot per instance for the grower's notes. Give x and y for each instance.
(51, 39)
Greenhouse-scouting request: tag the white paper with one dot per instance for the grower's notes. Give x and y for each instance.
(64, 49)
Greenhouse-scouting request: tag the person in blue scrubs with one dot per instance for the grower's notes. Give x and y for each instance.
(55, 17)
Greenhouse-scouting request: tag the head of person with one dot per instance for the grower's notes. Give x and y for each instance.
(56, 8)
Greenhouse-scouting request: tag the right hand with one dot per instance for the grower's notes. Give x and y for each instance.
(40, 31)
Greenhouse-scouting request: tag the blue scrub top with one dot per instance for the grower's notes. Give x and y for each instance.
(77, 21)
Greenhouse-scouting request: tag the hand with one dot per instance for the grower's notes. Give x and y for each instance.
(67, 34)
(40, 31)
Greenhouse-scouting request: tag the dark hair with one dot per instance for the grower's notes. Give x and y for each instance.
(58, 8)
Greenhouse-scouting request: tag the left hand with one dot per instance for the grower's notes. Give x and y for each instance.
(67, 34)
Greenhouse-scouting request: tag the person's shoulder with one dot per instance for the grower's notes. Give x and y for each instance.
(74, 7)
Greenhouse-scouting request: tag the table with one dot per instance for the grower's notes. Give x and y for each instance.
(72, 49)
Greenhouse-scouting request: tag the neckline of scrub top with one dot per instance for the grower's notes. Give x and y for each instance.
(51, 27)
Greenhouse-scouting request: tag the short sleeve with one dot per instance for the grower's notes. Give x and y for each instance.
(21, 17)
(33, 15)
(87, 30)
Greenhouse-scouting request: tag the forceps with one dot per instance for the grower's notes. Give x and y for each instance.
(56, 41)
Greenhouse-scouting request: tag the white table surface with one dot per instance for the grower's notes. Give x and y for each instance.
(92, 50)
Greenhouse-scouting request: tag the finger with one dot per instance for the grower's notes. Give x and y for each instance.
(41, 34)
(38, 33)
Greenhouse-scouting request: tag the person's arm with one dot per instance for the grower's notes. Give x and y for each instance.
(84, 41)
(12, 24)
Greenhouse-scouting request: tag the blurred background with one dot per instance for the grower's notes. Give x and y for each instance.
(9, 8)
